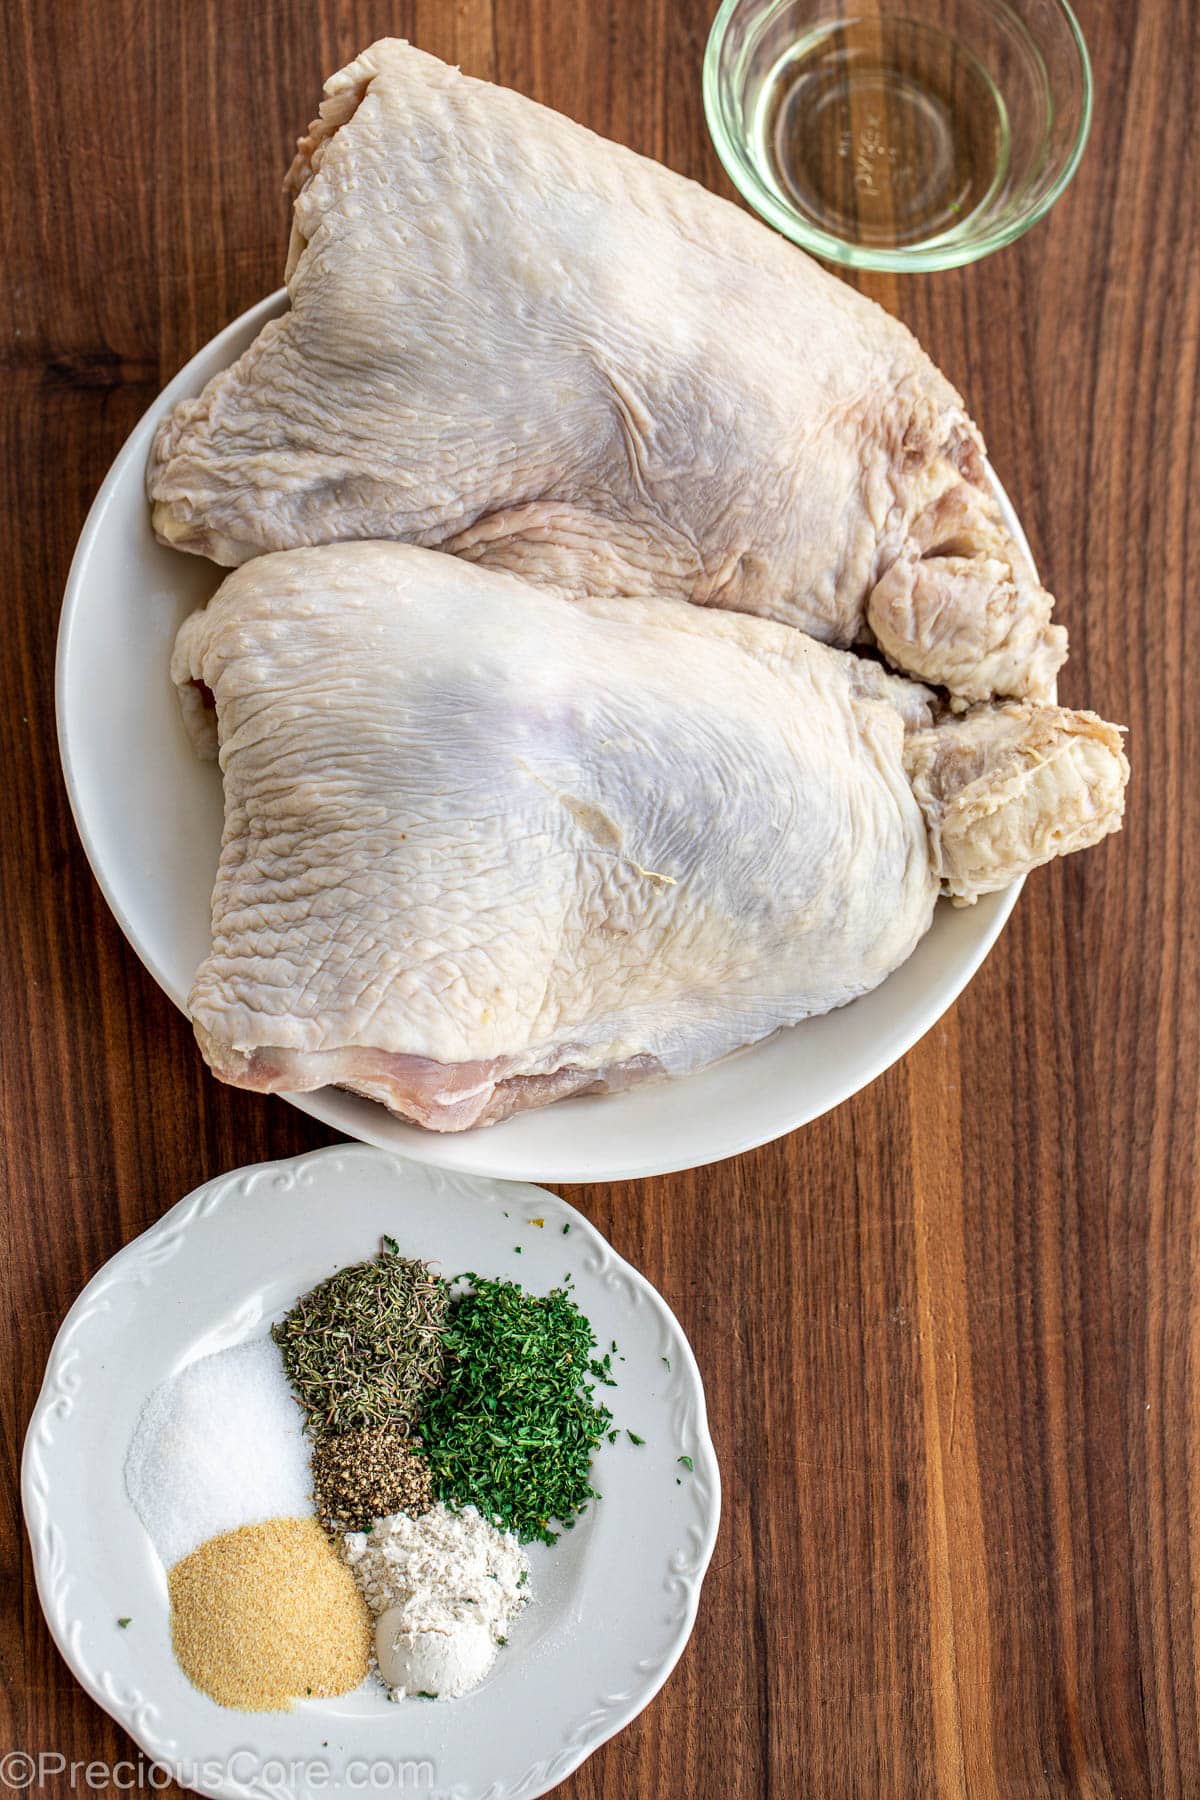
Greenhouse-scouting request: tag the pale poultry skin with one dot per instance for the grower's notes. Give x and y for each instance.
(486, 846)
(518, 342)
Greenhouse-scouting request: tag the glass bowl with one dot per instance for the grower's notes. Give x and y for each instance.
(916, 136)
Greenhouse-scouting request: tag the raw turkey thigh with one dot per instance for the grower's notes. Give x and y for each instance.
(519, 342)
(485, 846)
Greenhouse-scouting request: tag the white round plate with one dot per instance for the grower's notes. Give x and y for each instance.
(150, 816)
(614, 1600)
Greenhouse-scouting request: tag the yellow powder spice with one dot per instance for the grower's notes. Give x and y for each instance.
(267, 1614)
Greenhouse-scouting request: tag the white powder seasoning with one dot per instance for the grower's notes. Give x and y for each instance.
(218, 1446)
(445, 1588)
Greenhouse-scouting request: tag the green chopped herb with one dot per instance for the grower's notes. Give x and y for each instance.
(501, 1640)
(123, 1623)
(566, 1227)
(667, 1360)
(513, 1429)
(688, 1464)
(424, 1694)
(364, 1347)
(517, 1248)
(634, 1438)
(613, 1436)
(390, 1244)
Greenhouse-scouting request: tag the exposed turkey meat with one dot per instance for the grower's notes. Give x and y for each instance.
(485, 847)
(516, 341)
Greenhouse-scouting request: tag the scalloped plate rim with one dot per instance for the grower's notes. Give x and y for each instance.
(599, 1725)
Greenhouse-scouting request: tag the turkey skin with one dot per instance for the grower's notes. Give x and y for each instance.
(486, 846)
(516, 341)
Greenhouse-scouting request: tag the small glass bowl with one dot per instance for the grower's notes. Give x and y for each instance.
(916, 136)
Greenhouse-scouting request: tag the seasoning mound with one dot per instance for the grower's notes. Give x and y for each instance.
(445, 1589)
(360, 1476)
(268, 1613)
(514, 1425)
(444, 1427)
(435, 1661)
(364, 1347)
(216, 1446)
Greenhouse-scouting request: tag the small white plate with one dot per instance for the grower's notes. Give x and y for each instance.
(614, 1600)
(150, 817)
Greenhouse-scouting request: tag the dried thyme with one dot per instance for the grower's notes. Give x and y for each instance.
(365, 1347)
(513, 1429)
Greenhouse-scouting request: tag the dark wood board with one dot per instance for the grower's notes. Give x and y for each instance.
(951, 1333)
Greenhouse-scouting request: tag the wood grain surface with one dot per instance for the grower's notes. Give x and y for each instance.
(951, 1333)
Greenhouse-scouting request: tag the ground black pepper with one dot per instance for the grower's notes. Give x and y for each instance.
(361, 1476)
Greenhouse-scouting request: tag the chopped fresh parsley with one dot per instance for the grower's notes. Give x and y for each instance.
(513, 1429)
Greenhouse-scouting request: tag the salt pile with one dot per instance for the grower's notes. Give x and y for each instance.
(218, 1446)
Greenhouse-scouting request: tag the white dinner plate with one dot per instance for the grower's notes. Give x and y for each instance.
(613, 1602)
(150, 816)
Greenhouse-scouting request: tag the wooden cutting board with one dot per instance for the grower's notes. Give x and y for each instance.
(951, 1334)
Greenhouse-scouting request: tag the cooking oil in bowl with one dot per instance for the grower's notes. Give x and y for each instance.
(881, 131)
